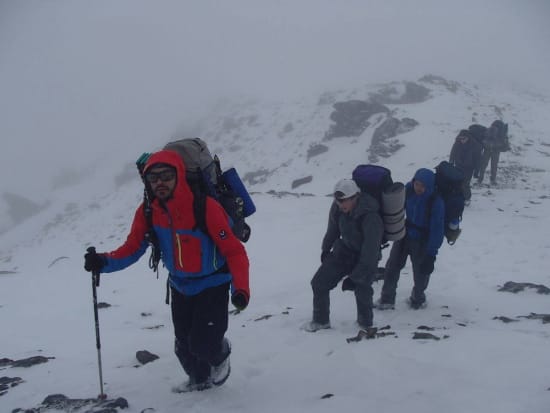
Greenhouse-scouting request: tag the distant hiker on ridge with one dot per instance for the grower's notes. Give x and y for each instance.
(425, 232)
(351, 246)
(202, 267)
(465, 155)
(496, 141)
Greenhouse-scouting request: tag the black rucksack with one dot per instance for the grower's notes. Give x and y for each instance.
(478, 132)
(448, 185)
(205, 178)
(377, 182)
(498, 135)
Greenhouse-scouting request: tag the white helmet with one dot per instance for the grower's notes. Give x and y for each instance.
(345, 188)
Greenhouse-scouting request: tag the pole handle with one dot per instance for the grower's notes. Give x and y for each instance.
(95, 274)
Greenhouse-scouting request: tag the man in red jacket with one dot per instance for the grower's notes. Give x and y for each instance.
(202, 266)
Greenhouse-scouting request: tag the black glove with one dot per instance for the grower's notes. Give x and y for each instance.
(324, 255)
(93, 262)
(348, 284)
(239, 299)
(427, 264)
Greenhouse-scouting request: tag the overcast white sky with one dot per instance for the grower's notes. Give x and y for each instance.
(81, 78)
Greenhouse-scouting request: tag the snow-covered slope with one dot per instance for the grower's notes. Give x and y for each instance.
(478, 363)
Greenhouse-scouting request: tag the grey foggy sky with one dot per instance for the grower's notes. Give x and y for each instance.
(81, 78)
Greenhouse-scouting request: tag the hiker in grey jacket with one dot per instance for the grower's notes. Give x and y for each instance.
(351, 247)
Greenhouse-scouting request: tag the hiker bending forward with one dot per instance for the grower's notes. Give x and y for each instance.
(425, 230)
(202, 264)
(465, 155)
(351, 246)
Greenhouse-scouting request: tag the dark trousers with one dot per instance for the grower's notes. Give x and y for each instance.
(339, 263)
(493, 156)
(200, 322)
(416, 250)
(466, 190)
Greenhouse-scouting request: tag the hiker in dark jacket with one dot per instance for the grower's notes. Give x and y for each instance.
(425, 231)
(465, 155)
(202, 266)
(495, 142)
(351, 247)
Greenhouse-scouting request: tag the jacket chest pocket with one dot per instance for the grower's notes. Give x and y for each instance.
(188, 253)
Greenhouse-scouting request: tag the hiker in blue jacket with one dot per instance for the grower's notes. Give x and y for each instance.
(425, 230)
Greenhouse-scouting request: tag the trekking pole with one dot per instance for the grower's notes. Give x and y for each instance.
(95, 283)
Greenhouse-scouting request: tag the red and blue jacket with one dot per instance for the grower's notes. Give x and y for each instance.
(195, 260)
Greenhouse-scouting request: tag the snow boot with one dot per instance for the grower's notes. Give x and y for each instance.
(313, 326)
(384, 305)
(219, 373)
(191, 385)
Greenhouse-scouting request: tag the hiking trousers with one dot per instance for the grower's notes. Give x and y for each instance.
(339, 263)
(466, 190)
(200, 322)
(493, 156)
(416, 250)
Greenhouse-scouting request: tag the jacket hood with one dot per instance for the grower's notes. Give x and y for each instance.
(182, 192)
(427, 177)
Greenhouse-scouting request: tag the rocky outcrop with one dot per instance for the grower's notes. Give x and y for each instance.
(351, 118)
(401, 93)
(383, 145)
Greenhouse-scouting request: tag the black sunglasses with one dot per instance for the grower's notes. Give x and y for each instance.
(165, 176)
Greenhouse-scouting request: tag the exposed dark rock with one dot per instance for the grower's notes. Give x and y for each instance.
(424, 336)
(5, 362)
(256, 177)
(31, 361)
(144, 356)
(60, 402)
(7, 382)
(305, 180)
(264, 317)
(316, 149)
(504, 319)
(103, 305)
(6, 272)
(534, 316)
(413, 93)
(351, 117)
(280, 194)
(514, 287)
(155, 327)
(327, 396)
(382, 144)
(450, 85)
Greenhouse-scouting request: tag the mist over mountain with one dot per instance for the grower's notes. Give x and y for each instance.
(82, 82)
(293, 145)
